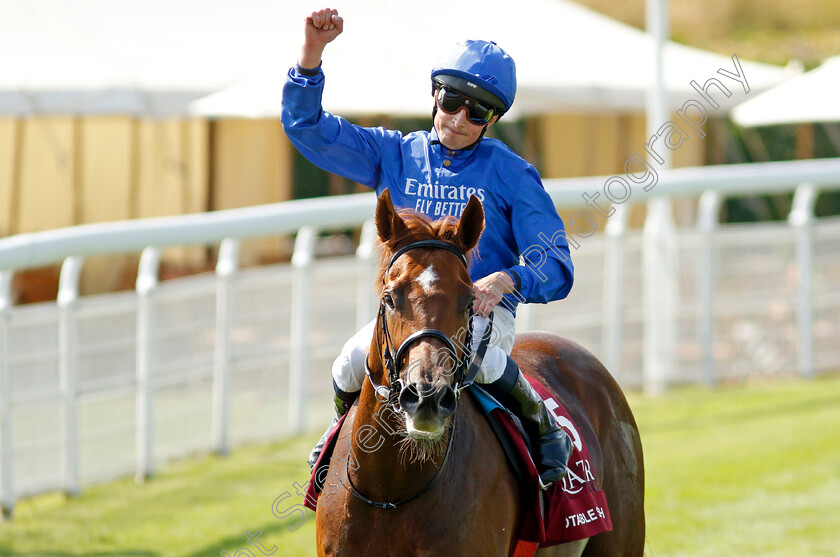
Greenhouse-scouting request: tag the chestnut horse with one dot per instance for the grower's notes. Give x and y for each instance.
(416, 469)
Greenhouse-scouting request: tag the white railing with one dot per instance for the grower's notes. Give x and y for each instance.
(95, 387)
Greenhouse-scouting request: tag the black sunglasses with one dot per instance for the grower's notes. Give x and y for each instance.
(451, 101)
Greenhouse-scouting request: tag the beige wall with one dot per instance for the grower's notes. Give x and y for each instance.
(108, 158)
(582, 145)
(171, 177)
(108, 155)
(599, 145)
(9, 167)
(60, 171)
(171, 168)
(252, 165)
(141, 168)
(47, 188)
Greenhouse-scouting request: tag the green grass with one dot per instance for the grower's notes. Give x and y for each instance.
(744, 470)
(193, 508)
(735, 471)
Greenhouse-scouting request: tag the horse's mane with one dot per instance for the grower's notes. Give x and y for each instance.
(420, 228)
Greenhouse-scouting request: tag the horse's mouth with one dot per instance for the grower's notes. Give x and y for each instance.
(421, 443)
(423, 430)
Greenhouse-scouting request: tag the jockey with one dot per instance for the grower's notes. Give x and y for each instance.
(435, 173)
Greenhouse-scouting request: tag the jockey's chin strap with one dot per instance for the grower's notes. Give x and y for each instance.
(464, 369)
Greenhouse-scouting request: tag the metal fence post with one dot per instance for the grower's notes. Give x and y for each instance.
(365, 305)
(801, 218)
(612, 339)
(226, 269)
(147, 283)
(304, 253)
(7, 493)
(68, 350)
(659, 293)
(708, 212)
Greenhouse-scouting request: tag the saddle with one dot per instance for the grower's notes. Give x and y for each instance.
(570, 510)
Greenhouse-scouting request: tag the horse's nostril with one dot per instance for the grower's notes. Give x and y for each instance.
(410, 399)
(448, 401)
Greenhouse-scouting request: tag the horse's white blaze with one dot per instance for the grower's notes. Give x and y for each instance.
(427, 279)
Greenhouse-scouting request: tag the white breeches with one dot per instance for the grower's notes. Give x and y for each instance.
(348, 370)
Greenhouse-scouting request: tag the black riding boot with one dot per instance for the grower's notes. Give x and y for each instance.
(554, 443)
(343, 401)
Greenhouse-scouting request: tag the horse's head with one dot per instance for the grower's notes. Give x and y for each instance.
(426, 305)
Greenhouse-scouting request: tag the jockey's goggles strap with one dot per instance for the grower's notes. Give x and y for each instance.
(451, 101)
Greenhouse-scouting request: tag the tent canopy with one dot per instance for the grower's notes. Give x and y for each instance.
(808, 98)
(156, 57)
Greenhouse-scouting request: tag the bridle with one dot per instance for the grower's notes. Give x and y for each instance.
(465, 369)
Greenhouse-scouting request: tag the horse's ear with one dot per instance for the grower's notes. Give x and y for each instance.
(389, 224)
(471, 224)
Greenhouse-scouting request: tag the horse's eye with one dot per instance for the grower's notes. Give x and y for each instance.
(389, 301)
(470, 304)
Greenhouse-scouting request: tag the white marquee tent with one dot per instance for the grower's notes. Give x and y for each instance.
(808, 98)
(157, 56)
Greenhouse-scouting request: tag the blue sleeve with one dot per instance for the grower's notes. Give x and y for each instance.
(327, 141)
(547, 272)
